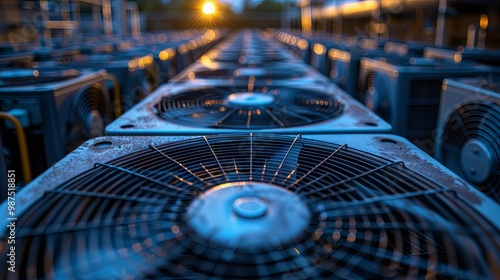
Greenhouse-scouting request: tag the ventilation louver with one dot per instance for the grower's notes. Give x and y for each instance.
(252, 206)
(469, 121)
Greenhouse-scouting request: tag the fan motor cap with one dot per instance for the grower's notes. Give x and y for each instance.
(249, 216)
(250, 99)
(476, 160)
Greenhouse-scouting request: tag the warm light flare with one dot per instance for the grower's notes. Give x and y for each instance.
(208, 8)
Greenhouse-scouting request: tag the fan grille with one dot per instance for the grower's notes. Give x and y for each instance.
(377, 95)
(481, 122)
(210, 108)
(370, 217)
(246, 73)
(91, 113)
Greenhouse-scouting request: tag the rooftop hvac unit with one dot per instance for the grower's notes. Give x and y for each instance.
(251, 207)
(137, 77)
(406, 92)
(24, 59)
(208, 72)
(319, 56)
(469, 122)
(249, 47)
(297, 44)
(59, 109)
(486, 56)
(345, 66)
(345, 63)
(186, 109)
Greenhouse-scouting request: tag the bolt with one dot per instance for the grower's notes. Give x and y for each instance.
(472, 170)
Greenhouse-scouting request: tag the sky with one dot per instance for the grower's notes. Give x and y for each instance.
(238, 4)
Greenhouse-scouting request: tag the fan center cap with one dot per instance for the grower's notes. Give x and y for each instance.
(248, 216)
(246, 72)
(476, 160)
(249, 207)
(250, 99)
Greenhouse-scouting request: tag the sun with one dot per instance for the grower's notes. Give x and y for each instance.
(208, 8)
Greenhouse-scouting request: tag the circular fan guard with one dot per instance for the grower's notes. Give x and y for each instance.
(370, 217)
(91, 115)
(470, 145)
(273, 73)
(209, 107)
(377, 96)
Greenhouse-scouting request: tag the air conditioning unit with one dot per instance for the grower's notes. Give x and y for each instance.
(137, 77)
(345, 66)
(467, 139)
(251, 206)
(209, 72)
(319, 56)
(248, 58)
(24, 59)
(297, 43)
(188, 109)
(58, 108)
(485, 56)
(406, 92)
(249, 48)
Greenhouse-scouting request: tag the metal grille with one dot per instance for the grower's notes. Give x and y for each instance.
(210, 108)
(370, 217)
(479, 121)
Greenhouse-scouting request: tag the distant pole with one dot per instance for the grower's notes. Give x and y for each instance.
(440, 23)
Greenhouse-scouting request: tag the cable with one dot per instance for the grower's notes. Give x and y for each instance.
(23, 147)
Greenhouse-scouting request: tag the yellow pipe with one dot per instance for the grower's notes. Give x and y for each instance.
(117, 102)
(23, 147)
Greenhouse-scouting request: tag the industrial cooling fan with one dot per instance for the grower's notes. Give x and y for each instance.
(243, 109)
(251, 207)
(468, 131)
(277, 71)
(185, 109)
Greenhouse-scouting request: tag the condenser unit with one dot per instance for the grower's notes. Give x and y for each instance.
(250, 206)
(406, 92)
(137, 77)
(188, 109)
(485, 56)
(345, 66)
(249, 47)
(58, 108)
(289, 73)
(468, 131)
(24, 59)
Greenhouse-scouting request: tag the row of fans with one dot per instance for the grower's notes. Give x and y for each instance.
(294, 178)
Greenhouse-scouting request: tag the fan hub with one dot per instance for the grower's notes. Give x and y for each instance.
(248, 216)
(247, 72)
(476, 160)
(249, 207)
(250, 99)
